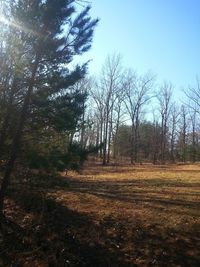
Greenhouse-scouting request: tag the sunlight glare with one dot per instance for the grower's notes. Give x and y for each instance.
(14, 24)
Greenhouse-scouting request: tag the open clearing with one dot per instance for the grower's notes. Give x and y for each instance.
(107, 216)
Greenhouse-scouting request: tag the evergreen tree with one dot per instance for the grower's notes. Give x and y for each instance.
(49, 34)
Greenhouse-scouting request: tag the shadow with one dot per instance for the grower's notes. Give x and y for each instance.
(145, 193)
(51, 234)
(63, 237)
(57, 236)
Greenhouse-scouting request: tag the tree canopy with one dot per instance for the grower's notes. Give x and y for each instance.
(39, 104)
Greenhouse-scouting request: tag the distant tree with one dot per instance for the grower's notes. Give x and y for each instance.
(164, 97)
(137, 95)
(156, 141)
(112, 83)
(193, 95)
(193, 104)
(194, 142)
(118, 118)
(182, 142)
(106, 94)
(123, 142)
(146, 145)
(173, 130)
(97, 97)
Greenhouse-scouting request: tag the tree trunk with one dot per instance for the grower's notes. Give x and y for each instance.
(105, 139)
(17, 139)
(6, 120)
(193, 141)
(83, 128)
(101, 137)
(132, 144)
(110, 137)
(136, 135)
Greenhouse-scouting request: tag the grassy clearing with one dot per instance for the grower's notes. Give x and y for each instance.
(109, 216)
(170, 194)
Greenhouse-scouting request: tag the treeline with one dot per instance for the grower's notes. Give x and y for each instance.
(137, 120)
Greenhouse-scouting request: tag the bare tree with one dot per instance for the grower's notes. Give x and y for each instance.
(97, 96)
(193, 95)
(119, 118)
(193, 104)
(164, 97)
(183, 132)
(110, 84)
(137, 91)
(173, 125)
(194, 137)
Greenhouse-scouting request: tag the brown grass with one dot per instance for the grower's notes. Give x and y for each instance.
(167, 193)
(119, 216)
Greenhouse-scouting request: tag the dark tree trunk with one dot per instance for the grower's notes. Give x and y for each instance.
(17, 140)
(101, 137)
(6, 120)
(132, 144)
(193, 141)
(110, 137)
(105, 139)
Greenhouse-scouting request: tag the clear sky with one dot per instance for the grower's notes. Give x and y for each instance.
(158, 35)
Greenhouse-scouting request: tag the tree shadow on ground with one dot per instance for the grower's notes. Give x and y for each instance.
(151, 193)
(56, 236)
(49, 233)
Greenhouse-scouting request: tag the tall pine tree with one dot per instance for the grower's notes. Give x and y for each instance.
(48, 34)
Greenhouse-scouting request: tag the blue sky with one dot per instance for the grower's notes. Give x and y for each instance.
(158, 35)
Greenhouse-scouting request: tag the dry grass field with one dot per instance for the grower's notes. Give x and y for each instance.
(108, 216)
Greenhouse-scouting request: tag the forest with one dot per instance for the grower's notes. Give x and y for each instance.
(95, 170)
(136, 119)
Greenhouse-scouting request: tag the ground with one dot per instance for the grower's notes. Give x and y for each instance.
(110, 216)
